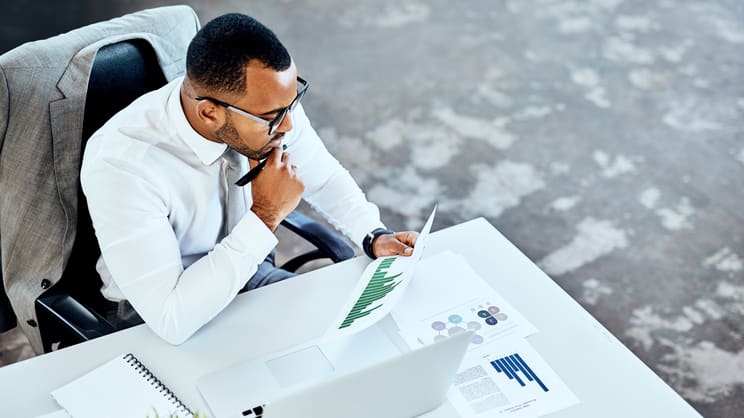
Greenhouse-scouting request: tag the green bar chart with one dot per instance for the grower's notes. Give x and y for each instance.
(378, 287)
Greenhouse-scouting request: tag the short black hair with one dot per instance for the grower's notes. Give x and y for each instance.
(219, 52)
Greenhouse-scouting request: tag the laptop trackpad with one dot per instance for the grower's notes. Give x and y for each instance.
(305, 365)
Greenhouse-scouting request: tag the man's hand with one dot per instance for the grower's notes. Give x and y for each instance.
(400, 243)
(276, 190)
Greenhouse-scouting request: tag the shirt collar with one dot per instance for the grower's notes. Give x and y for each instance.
(207, 151)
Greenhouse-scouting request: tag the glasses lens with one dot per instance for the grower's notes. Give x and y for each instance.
(296, 101)
(278, 120)
(301, 89)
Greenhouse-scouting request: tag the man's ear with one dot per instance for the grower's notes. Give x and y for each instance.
(209, 113)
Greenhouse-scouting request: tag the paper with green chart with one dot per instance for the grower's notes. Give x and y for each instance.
(380, 287)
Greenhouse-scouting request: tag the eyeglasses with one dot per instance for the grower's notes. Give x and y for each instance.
(273, 124)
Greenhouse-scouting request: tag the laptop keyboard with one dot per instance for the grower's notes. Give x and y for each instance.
(255, 412)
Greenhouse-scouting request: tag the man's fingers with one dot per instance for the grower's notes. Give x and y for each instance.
(275, 158)
(397, 247)
(408, 237)
(400, 243)
(394, 248)
(286, 159)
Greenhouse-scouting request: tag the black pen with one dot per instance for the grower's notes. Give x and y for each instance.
(249, 176)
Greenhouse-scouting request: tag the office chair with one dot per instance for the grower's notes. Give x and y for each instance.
(70, 312)
(43, 86)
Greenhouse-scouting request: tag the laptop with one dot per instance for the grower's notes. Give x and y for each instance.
(319, 380)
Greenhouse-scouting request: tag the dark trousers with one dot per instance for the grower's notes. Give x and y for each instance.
(267, 274)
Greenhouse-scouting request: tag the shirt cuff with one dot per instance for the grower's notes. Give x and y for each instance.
(251, 237)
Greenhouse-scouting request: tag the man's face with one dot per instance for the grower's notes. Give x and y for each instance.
(267, 93)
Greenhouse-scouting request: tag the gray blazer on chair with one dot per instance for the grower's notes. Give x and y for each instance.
(42, 100)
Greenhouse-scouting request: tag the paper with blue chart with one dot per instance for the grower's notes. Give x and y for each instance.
(502, 375)
(508, 379)
(382, 284)
(448, 297)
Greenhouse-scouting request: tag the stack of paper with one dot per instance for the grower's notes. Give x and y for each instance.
(501, 375)
(433, 298)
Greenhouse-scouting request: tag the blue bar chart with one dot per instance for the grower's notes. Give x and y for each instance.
(511, 365)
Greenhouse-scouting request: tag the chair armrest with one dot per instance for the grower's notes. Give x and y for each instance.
(327, 242)
(70, 318)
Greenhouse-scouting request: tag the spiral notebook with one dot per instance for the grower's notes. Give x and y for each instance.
(124, 388)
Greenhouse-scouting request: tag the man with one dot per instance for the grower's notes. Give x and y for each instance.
(178, 239)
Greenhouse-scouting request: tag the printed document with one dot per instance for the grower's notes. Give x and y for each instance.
(382, 284)
(508, 379)
(448, 297)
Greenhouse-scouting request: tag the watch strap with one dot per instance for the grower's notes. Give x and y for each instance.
(370, 238)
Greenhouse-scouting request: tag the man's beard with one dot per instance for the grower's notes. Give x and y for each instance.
(230, 136)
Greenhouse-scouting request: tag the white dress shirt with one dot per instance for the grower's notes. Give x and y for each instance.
(156, 194)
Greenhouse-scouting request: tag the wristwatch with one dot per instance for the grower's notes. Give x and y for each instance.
(370, 238)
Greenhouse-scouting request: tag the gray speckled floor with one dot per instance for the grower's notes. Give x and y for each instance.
(603, 137)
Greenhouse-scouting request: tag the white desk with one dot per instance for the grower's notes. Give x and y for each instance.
(606, 377)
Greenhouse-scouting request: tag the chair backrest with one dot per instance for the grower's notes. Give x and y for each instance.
(121, 73)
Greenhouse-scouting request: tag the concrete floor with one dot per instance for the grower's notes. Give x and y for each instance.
(603, 137)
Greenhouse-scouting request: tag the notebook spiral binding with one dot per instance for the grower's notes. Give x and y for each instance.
(155, 382)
